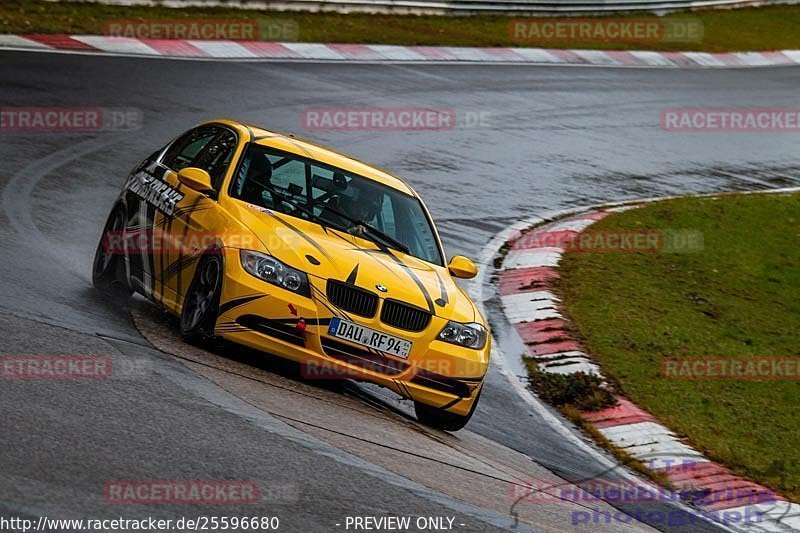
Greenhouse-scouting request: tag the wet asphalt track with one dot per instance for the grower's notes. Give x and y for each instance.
(551, 138)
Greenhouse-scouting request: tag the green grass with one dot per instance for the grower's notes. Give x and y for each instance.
(739, 297)
(765, 28)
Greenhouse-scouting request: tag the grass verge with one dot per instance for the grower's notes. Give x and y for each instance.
(738, 298)
(764, 28)
(572, 394)
(581, 391)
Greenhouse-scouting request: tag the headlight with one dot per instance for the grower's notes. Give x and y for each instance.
(273, 271)
(467, 335)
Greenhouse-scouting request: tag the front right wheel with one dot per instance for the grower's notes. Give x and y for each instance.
(440, 419)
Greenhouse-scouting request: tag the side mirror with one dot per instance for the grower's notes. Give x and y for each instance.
(196, 178)
(462, 267)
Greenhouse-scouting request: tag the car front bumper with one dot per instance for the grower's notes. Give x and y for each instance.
(266, 317)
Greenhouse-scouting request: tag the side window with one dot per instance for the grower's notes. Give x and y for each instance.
(254, 176)
(183, 151)
(216, 157)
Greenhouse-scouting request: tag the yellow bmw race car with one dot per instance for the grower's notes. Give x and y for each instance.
(278, 244)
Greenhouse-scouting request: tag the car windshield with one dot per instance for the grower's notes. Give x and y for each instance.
(301, 187)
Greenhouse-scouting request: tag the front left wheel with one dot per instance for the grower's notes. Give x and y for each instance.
(201, 305)
(108, 266)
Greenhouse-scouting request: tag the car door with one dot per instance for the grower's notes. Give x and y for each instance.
(196, 221)
(152, 196)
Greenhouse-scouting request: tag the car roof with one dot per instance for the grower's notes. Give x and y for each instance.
(290, 143)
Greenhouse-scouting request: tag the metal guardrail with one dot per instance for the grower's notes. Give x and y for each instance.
(464, 7)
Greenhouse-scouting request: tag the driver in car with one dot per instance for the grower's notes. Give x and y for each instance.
(361, 205)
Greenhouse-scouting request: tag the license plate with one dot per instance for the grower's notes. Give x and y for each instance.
(369, 337)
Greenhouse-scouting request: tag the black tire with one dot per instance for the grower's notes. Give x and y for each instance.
(436, 418)
(201, 304)
(108, 266)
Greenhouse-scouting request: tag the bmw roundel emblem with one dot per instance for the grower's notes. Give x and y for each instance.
(381, 288)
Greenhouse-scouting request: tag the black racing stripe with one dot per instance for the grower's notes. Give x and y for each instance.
(408, 390)
(236, 302)
(403, 387)
(190, 209)
(168, 234)
(161, 247)
(417, 281)
(134, 260)
(179, 264)
(397, 384)
(151, 222)
(336, 233)
(180, 213)
(187, 260)
(183, 240)
(444, 299)
(170, 270)
(270, 327)
(351, 279)
(323, 299)
(448, 405)
(370, 251)
(230, 327)
(382, 249)
(308, 321)
(302, 235)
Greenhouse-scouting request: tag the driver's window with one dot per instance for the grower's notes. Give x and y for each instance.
(216, 157)
(183, 152)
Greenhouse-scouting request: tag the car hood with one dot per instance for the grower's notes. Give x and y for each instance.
(302, 244)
